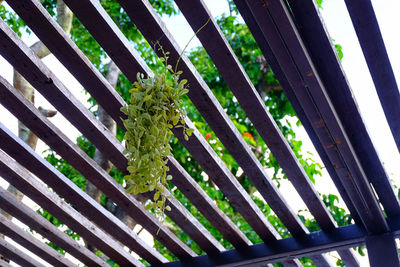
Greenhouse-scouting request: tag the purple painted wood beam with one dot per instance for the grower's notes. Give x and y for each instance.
(29, 217)
(277, 27)
(382, 250)
(320, 47)
(32, 244)
(369, 35)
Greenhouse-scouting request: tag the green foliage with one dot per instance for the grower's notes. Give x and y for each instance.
(153, 110)
(16, 24)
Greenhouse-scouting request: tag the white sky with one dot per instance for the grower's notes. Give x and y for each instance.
(340, 28)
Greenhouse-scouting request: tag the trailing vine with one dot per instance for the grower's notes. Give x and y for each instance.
(154, 109)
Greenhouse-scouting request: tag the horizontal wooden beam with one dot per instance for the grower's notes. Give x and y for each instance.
(289, 248)
(16, 255)
(31, 243)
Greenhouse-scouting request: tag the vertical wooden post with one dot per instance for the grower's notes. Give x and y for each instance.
(382, 250)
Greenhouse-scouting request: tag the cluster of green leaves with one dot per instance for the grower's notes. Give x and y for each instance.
(153, 110)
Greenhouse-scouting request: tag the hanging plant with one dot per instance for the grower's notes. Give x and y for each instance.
(154, 109)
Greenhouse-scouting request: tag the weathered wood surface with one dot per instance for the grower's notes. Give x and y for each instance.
(288, 48)
(32, 244)
(38, 192)
(197, 145)
(16, 255)
(323, 53)
(370, 38)
(50, 134)
(18, 210)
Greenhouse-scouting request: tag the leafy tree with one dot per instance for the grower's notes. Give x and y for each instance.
(260, 74)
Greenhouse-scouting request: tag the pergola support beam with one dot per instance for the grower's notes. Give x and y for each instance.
(382, 250)
(312, 244)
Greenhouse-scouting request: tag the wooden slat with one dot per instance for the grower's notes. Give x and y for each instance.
(324, 57)
(235, 76)
(32, 244)
(369, 35)
(188, 186)
(19, 177)
(75, 156)
(49, 28)
(16, 255)
(288, 48)
(26, 215)
(84, 10)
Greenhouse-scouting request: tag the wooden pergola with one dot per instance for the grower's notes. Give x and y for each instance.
(296, 45)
